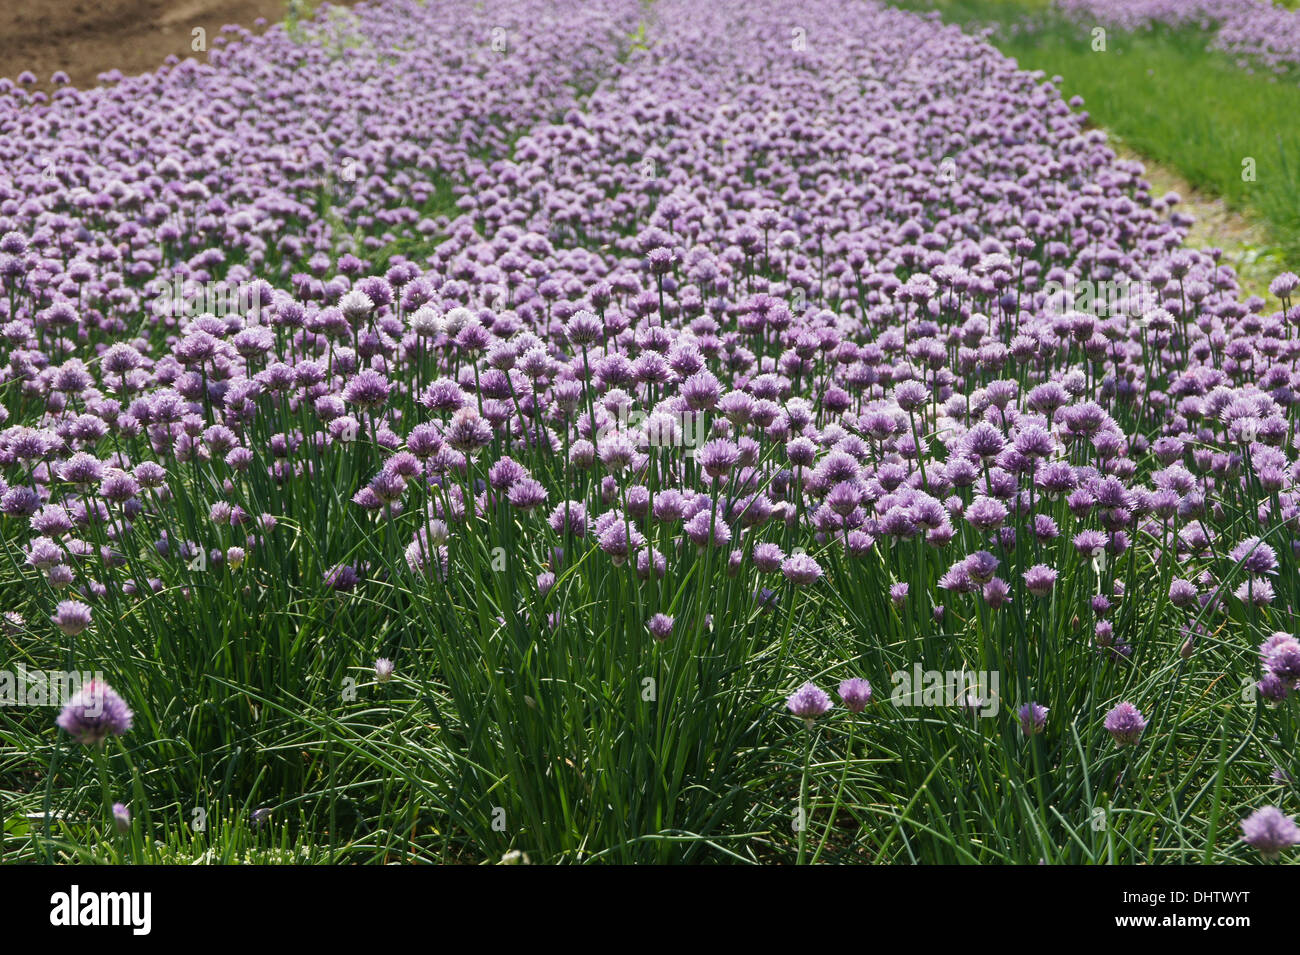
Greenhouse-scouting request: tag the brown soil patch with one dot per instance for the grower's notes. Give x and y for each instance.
(87, 37)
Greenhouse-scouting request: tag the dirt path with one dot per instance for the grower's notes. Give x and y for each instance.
(87, 37)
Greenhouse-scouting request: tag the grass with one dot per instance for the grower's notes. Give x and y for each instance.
(1170, 99)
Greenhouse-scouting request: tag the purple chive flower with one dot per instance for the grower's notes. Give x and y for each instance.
(570, 516)
(986, 514)
(957, 579)
(118, 487)
(71, 616)
(1045, 528)
(701, 391)
(43, 553)
(342, 577)
(985, 441)
(1255, 556)
(1280, 655)
(1182, 593)
(801, 452)
(369, 389)
(1039, 580)
(808, 702)
(704, 529)
(1255, 591)
(856, 694)
(997, 593)
(981, 566)
(1270, 830)
(767, 557)
(584, 328)
(1284, 285)
(801, 570)
(121, 817)
(1125, 724)
(468, 431)
(718, 458)
(94, 713)
(1090, 544)
(660, 626)
(1273, 688)
(1033, 718)
(527, 494)
(383, 670)
(505, 473)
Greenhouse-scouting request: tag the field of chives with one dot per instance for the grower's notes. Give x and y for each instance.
(641, 431)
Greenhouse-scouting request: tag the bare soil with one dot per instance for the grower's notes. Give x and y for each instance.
(87, 37)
